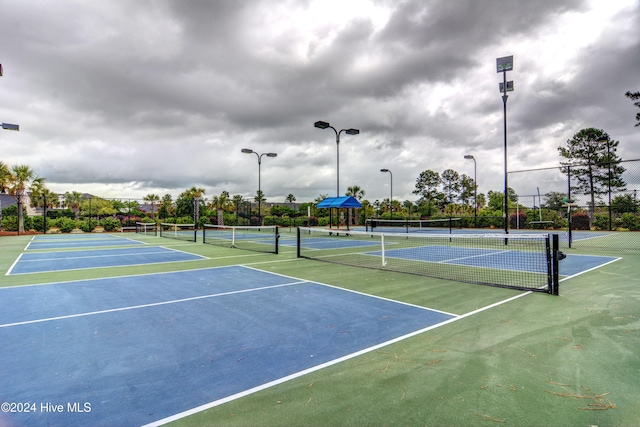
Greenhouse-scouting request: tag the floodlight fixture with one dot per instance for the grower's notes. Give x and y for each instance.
(504, 64)
(351, 131)
(509, 86)
(9, 126)
(259, 156)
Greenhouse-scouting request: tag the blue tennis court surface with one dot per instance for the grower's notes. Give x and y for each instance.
(70, 241)
(138, 349)
(38, 262)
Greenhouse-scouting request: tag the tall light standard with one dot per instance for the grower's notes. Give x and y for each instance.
(249, 151)
(505, 64)
(352, 131)
(390, 198)
(475, 190)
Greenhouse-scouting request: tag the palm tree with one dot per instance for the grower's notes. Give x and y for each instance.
(5, 174)
(220, 204)
(45, 199)
(356, 192)
(237, 202)
(73, 201)
(23, 179)
(223, 204)
(152, 198)
(166, 207)
(260, 199)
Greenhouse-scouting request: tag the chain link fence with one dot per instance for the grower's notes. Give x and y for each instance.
(596, 204)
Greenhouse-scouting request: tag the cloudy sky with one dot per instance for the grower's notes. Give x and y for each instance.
(126, 98)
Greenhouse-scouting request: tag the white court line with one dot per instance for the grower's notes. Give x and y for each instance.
(491, 253)
(155, 304)
(591, 269)
(13, 265)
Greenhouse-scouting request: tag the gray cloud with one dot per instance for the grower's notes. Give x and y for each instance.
(125, 99)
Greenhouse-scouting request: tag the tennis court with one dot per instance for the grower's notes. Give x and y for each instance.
(231, 330)
(40, 262)
(244, 338)
(70, 241)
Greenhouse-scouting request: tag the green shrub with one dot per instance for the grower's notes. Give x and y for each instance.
(66, 225)
(601, 221)
(269, 220)
(630, 221)
(184, 220)
(87, 225)
(37, 222)
(110, 224)
(517, 220)
(580, 221)
(10, 223)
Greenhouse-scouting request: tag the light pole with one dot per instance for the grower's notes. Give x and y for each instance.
(390, 198)
(475, 190)
(505, 64)
(249, 151)
(352, 131)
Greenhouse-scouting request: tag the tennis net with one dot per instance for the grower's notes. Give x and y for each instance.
(519, 261)
(253, 238)
(147, 228)
(187, 232)
(443, 225)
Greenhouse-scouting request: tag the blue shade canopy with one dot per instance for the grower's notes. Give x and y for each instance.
(340, 202)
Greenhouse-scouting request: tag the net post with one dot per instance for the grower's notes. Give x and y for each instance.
(553, 288)
(298, 243)
(204, 234)
(277, 238)
(569, 235)
(195, 232)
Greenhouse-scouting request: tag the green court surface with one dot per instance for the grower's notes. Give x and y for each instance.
(510, 358)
